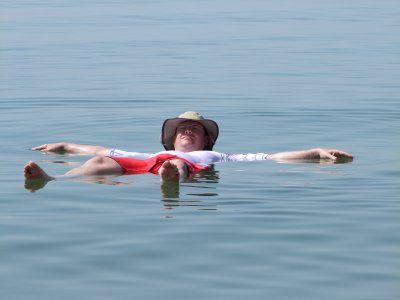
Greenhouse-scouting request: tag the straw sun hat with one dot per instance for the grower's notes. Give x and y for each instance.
(169, 129)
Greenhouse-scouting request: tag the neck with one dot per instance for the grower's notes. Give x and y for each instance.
(186, 149)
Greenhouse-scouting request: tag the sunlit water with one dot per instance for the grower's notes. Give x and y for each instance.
(276, 76)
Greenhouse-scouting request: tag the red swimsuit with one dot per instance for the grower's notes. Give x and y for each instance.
(152, 164)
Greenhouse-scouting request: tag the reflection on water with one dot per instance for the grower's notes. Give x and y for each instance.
(314, 169)
(210, 175)
(170, 191)
(198, 204)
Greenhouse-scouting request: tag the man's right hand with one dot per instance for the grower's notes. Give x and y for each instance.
(55, 147)
(62, 148)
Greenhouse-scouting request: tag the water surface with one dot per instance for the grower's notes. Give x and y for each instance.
(275, 76)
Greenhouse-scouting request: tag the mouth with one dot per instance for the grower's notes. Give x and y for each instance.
(186, 137)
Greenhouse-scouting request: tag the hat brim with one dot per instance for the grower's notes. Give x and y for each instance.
(169, 129)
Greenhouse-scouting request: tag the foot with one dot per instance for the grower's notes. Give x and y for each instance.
(35, 177)
(171, 173)
(33, 171)
(173, 170)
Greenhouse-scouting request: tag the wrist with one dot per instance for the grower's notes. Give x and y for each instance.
(63, 146)
(315, 153)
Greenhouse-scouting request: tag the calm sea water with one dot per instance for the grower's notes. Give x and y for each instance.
(276, 76)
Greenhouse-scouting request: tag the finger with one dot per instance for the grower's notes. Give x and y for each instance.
(328, 155)
(40, 148)
(345, 154)
(341, 154)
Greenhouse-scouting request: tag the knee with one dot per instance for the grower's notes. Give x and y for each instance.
(97, 160)
(100, 162)
(101, 165)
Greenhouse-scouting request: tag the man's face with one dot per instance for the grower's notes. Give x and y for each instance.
(190, 136)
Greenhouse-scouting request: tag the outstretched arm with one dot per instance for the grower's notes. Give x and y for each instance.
(312, 154)
(73, 149)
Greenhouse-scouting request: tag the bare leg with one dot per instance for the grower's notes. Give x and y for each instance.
(97, 166)
(36, 177)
